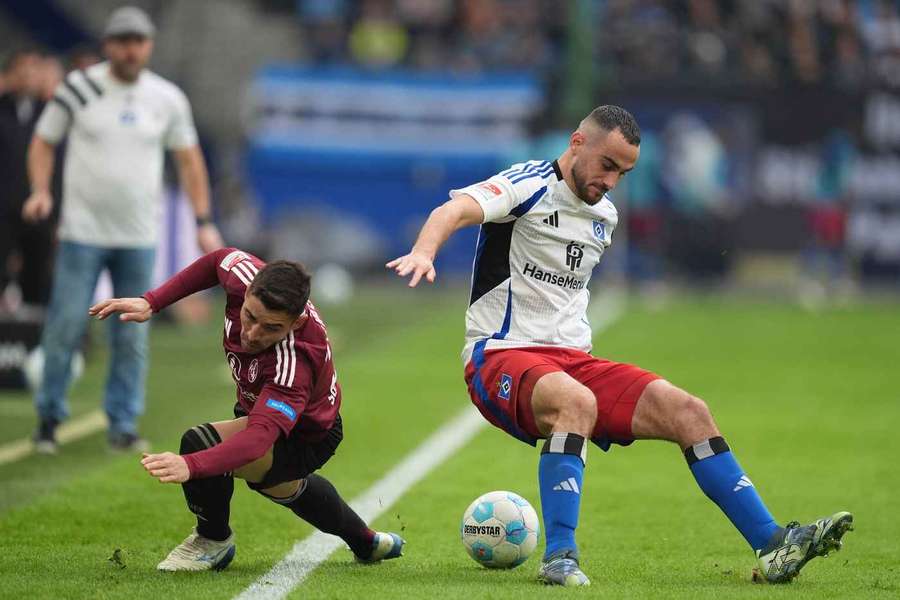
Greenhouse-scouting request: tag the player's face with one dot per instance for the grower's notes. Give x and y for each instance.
(128, 55)
(262, 328)
(600, 164)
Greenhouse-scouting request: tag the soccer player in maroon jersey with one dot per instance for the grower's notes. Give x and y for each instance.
(287, 421)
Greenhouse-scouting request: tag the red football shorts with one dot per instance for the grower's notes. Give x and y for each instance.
(501, 381)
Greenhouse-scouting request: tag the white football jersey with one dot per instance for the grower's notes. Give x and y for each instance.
(536, 250)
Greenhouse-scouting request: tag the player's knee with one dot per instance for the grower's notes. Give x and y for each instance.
(691, 416)
(284, 493)
(199, 438)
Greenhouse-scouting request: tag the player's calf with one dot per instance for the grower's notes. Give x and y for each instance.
(315, 500)
(209, 498)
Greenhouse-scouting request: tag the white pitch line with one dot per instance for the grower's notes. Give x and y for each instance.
(312, 551)
(71, 431)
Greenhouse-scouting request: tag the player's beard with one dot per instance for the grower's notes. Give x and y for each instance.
(582, 189)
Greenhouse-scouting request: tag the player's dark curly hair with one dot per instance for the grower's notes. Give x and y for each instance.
(282, 285)
(611, 117)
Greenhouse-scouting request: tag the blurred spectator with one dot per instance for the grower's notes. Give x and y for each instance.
(377, 38)
(50, 74)
(118, 119)
(25, 249)
(83, 57)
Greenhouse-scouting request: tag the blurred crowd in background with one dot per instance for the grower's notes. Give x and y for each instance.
(766, 42)
(771, 126)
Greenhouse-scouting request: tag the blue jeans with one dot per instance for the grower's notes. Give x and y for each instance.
(78, 266)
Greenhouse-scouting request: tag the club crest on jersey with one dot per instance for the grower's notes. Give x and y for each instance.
(253, 370)
(600, 230)
(235, 363)
(505, 386)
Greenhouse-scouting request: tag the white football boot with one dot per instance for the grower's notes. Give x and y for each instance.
(197, 553)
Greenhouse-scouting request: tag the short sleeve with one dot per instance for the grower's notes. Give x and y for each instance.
(181, 133)
(55, 120)
(510, 194)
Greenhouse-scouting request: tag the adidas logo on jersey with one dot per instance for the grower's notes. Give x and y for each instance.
(743, 482)
(569, 485)
(552, 220)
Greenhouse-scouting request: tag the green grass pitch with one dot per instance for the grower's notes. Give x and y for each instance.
(808, 402)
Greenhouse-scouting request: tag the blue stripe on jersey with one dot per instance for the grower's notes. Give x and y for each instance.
(514, 170)
(528, 204)
(481, 390)
(540, 166)
(517, 177)
(543, 170)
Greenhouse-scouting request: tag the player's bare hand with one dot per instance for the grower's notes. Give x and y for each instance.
(208, 238)
(416, 264)
(167, 467)
(38, 207)
(129, 309)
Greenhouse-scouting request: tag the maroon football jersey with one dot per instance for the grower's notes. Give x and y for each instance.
(293, 383)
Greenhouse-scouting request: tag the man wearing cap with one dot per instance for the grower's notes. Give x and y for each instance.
(119, 118)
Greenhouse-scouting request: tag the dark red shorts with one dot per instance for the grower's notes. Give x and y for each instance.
(501, 381)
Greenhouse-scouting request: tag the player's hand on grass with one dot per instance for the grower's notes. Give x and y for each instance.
(208, 238)
(129, 309)
(415, 263)
(38, 207)
(167, 467)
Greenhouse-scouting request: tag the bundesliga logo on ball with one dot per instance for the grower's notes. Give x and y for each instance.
(500, 530)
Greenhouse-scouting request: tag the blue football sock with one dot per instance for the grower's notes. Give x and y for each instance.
(560, 474)
(722, 479)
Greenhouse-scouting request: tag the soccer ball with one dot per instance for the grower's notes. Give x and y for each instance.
(500, 530)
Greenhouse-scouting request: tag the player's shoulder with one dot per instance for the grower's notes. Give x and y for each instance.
(314, 330)
(606, 210)
(238, 268)
(528, 177)
(538, 171)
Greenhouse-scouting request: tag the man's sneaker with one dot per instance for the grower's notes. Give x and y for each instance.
(385, 546)
(127, 442)
(796, 545)
(197, 553)
(45, 437)
(562, 569)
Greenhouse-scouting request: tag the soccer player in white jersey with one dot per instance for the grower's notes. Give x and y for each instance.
(544, 227)
(118, 118)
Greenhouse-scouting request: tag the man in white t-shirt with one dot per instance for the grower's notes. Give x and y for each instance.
(119, 118)
(544, 227)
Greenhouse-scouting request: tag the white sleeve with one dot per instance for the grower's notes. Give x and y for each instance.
(55, 120)
(181, 133)
(501, 199)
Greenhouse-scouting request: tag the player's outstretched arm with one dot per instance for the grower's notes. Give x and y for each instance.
(129, 309)
(461, 211)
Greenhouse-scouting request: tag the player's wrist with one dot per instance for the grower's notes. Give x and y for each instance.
(425, 253)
